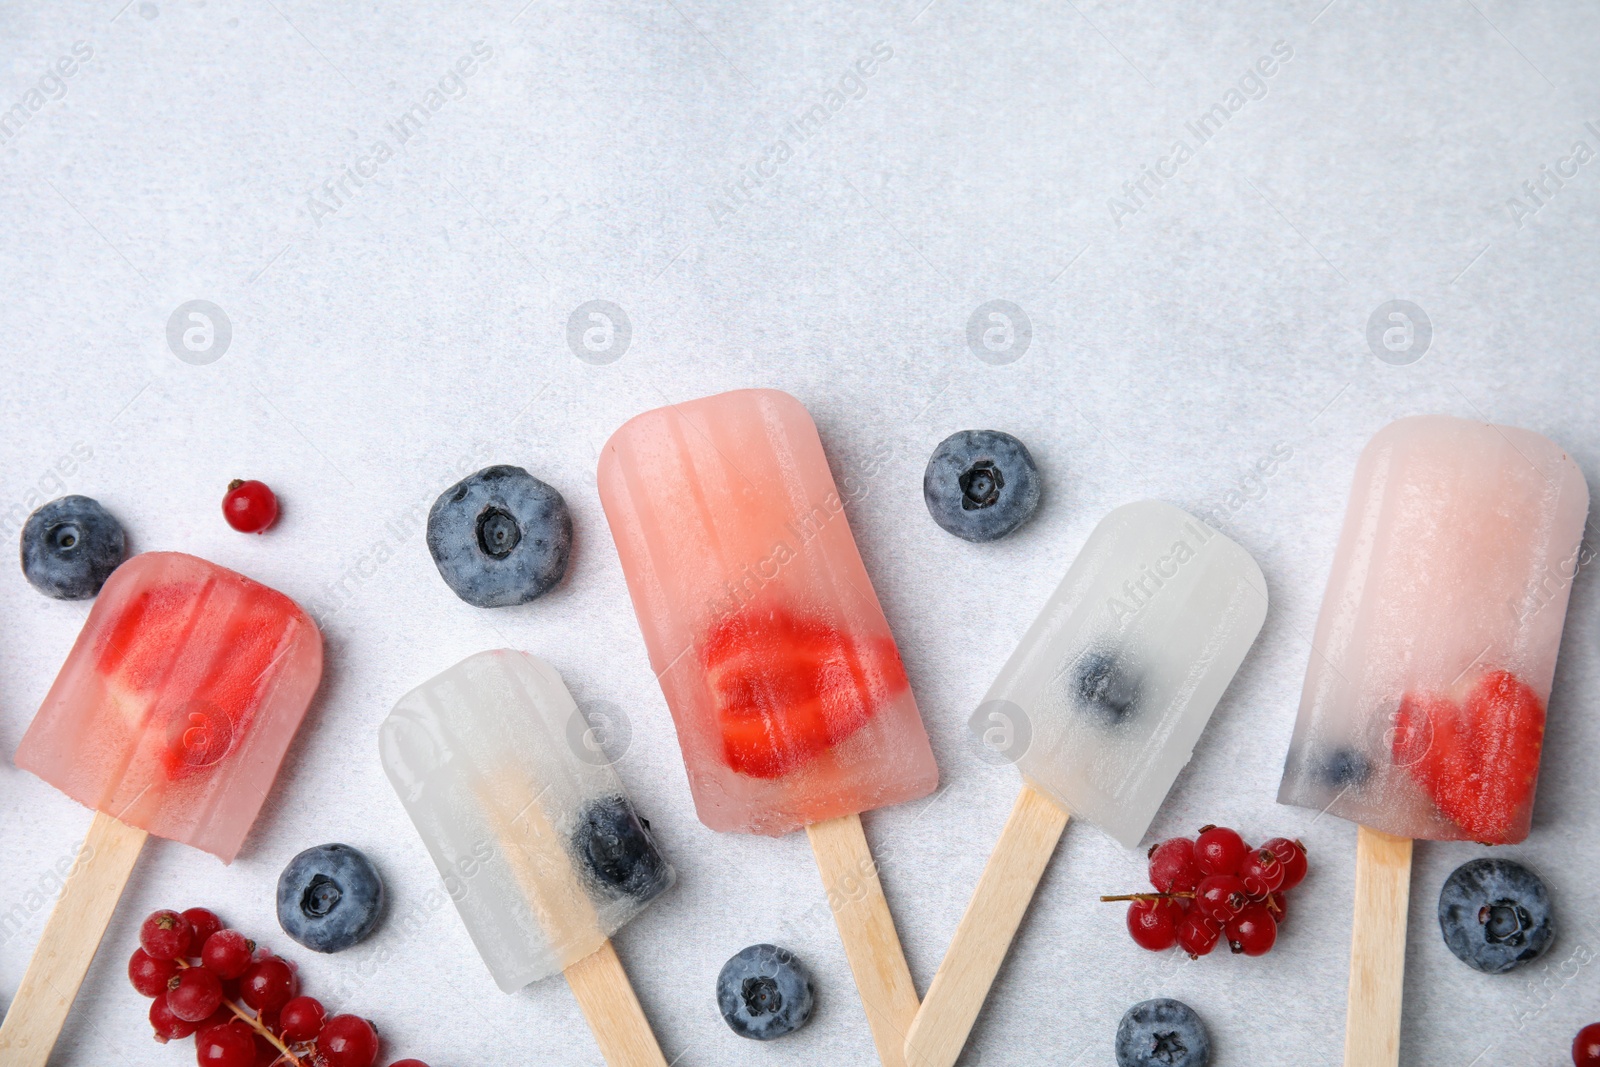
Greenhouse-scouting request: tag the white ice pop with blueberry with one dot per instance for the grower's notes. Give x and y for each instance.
(1120, 672)
(1100, 707)
(528, 824)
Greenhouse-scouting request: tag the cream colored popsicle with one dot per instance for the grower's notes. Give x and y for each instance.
(1100, 707)
(1425, 698)
(538, 845)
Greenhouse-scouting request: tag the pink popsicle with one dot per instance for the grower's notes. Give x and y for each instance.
(176, 705)
(785, 684)
(1423, 711)
(762, 626)
(170, 716)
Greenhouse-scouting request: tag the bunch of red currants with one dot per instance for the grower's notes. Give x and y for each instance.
(1214, 887)
(238, 1001)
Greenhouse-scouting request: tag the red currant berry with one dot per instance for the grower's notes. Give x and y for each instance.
(1261, 872)
(226, 953)
(249, 507)
(194, 994)
(1277, 906)
(301, 1019)
(1219, 850)
(1586, 1046)
(267, 1055)
(150, 976)
(1252, 932)
(204, 922)
(267, 985)
(166, 935)
(1292, 854)
(408, 1063)
(1172, 866)
(223, 1014)
(1154, 923)
(168, 1027)
(348, 1041)
(1220, 897)
(1198, 935)
(229, 1045)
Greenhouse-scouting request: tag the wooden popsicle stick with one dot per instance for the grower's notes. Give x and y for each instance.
(855, 895)
(62, 957)
(1377, 950)
(615, 1018)
(940, 1029)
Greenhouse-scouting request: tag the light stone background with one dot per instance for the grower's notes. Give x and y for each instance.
(388, 336)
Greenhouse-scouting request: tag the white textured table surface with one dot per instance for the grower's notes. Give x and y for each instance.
(407, 321)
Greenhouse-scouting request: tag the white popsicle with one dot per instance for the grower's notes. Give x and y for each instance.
(535, 839)
(1100, 707)
(1120, 672)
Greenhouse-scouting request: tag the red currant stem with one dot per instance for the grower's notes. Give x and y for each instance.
(236, 483)
(255, 1024)
(1149, 896)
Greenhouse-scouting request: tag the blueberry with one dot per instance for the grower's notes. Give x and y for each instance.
(616, 847)
(70, 547)
(500, 537)
(1162, 1033)
(329, 897)
(1343, 768)
(1105, 686)
(980, 484)
(765, 992)
(1495, 915)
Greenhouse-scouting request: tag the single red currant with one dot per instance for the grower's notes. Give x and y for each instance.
(223, 1014)
(226, 953)
(166, 935)
(250, 506)
(1219, 850)
(1172, 866)
(1252, 932)
(1220, 897)
(1278, 906)
(194, 994)
(204, 922)
(229, 1045)
(408, 1063)
(301, 1019)
(1198, 935)
(168, 1027)
(1586, 1046)
(267, 1054)
(148, 975)
(348, 1041)
(1154, 923)
(1292, 854)
(267, 985)
(1261, 872)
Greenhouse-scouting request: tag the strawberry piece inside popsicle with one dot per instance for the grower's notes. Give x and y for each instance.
(788, 687)
(137, 649)
(1477, 757)
(223, 674)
